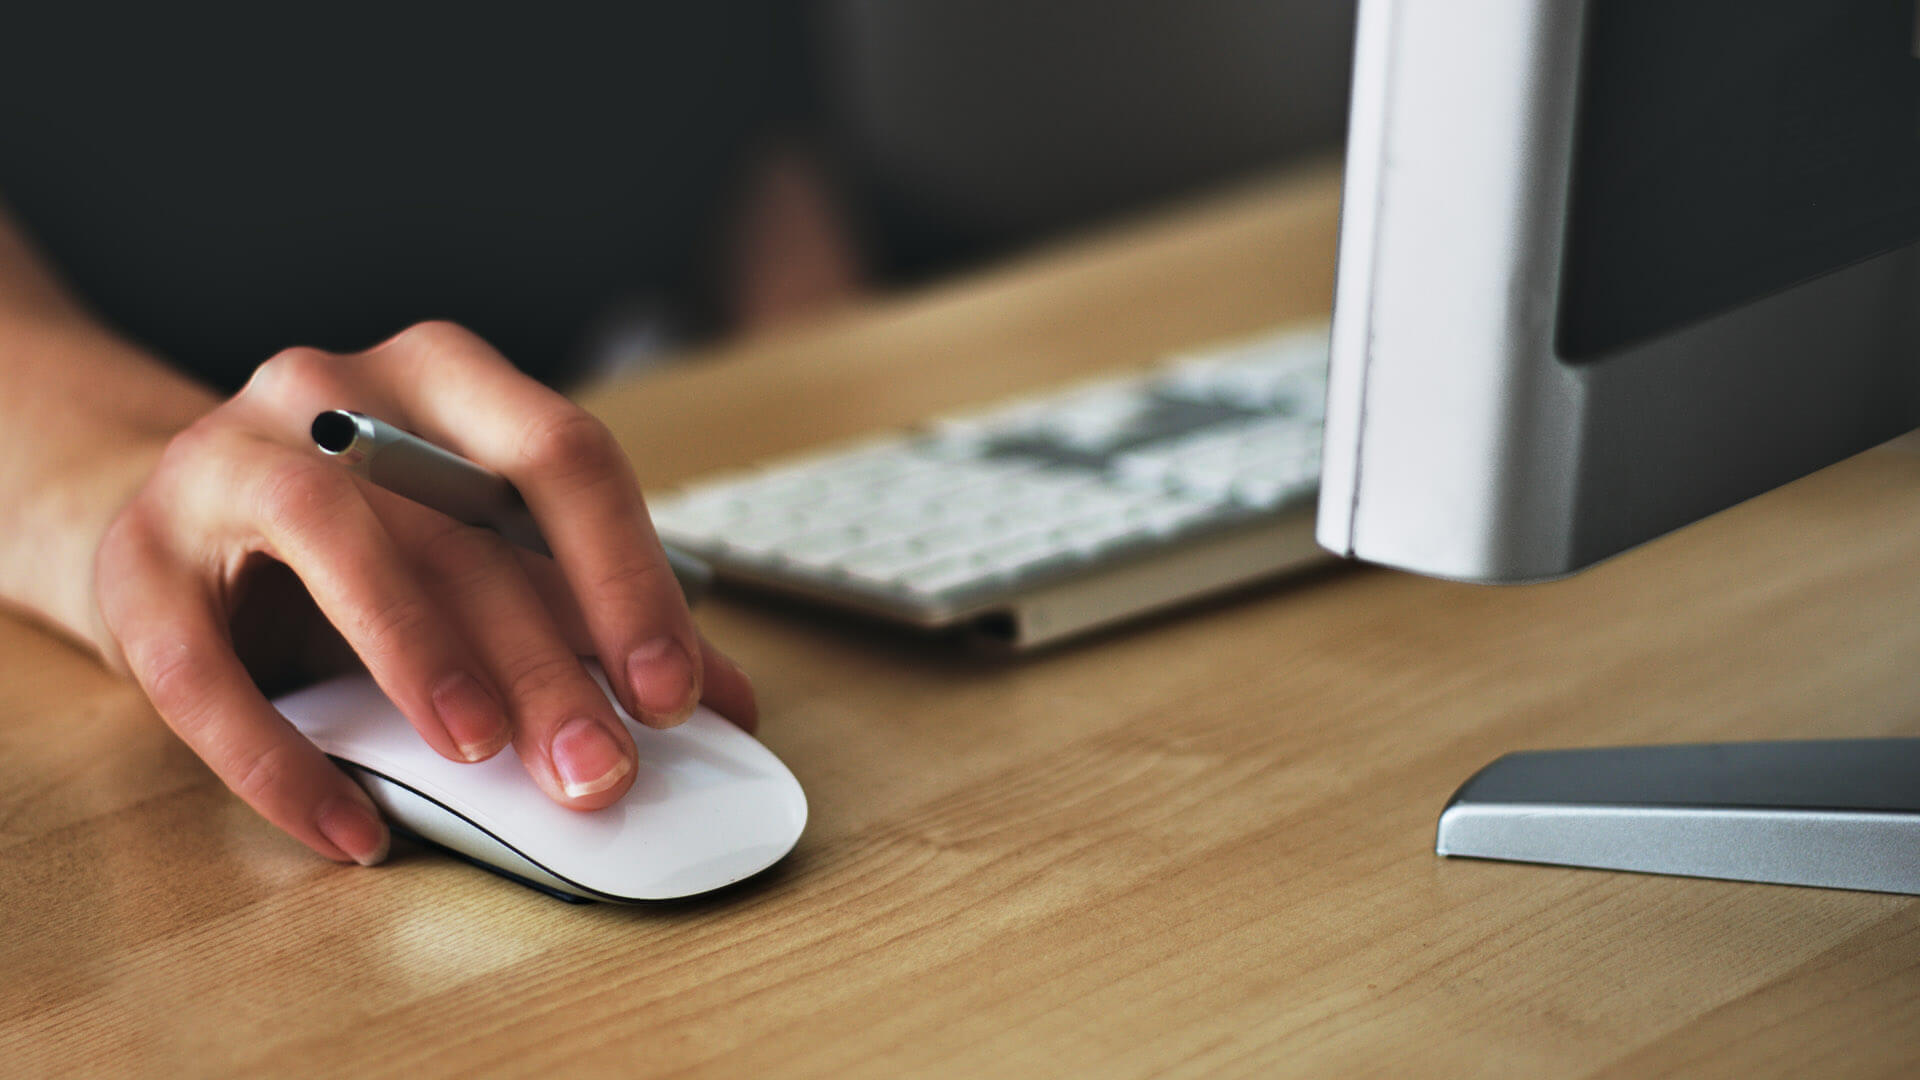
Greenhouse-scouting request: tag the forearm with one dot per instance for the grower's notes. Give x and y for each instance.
(83, 415)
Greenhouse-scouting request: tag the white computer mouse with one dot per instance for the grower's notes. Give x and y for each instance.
(710, 805)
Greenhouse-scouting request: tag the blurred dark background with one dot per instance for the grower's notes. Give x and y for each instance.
(573, 180)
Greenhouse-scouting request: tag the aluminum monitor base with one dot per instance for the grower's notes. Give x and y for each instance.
(1841, 814)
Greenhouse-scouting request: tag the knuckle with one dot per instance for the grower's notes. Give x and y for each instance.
(264, 773)
(129, 542)
(631, 576)
(464, 557)
(389, 628)
(297, 493)
(544, 675)
(203, 457)
(569, 441)
(129, 549)
(197, 442)
(300, 372)
(432, 335)
(176, 683)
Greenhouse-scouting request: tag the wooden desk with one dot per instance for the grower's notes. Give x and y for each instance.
(1200, 847)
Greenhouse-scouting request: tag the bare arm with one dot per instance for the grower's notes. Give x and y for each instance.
(83, 417)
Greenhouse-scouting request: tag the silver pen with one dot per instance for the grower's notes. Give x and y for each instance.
(412, 467)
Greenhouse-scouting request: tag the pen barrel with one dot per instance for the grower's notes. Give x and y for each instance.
(412, 467)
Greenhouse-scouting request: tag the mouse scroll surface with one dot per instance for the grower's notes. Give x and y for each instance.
(709, 804)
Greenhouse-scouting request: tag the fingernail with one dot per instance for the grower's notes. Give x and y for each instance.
(473, 719)
(587, 758)
(354, 826)
(663, 680)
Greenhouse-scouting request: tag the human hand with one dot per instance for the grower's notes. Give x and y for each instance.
(476, 642)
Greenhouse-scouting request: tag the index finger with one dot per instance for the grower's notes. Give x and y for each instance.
(577, 481)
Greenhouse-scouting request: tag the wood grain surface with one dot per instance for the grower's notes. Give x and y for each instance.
(1198, 847)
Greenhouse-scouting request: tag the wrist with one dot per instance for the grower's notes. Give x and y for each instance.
(75, 456)
(49, 568)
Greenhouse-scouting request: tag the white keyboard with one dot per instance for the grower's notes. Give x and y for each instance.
(1047, 516)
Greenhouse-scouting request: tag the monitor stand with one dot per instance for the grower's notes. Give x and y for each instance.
(1841, 814)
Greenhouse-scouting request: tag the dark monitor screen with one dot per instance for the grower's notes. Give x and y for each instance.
(1728, 149)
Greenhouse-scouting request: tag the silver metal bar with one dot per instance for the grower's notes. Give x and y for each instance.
(1841, 814)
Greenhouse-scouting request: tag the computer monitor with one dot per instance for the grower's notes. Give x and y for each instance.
(1607, 267)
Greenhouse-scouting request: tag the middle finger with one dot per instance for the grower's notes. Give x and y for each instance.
(582, 491)
(564, 730)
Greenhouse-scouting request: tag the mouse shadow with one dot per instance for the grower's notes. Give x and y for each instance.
(409, 847)
(773, 879)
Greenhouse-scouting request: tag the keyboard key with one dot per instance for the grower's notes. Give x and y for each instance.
(690, 526)
(883, 562)
(1007, 557)
(761, 544)
(1150, 469)
(1168, 515)
(824, 549)
(1261, 493)
(962, 535)
(941, 576)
